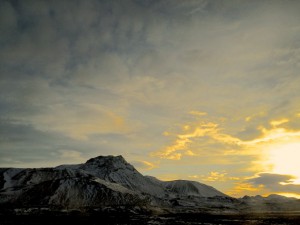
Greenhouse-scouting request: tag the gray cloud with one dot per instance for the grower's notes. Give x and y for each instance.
(271, 179)
(147, 63)
(276, 182)
(22, 145)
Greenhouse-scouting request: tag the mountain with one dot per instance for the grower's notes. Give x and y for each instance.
(66, 188)
(271, 203)
(191, 188)
(100, 182)
(109, 182)
(117, 170)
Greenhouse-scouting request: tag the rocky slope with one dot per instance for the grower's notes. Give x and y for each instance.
(101, 181)
(109, 181)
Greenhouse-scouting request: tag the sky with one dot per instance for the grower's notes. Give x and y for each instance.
(205, 90)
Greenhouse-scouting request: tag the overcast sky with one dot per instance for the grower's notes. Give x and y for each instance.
(205, 90)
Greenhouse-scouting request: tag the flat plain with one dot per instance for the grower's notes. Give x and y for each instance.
(167, 219)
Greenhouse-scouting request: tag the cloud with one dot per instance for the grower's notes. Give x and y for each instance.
(244, 188)
(7, 18)
(211, 133)
(144, 165)
(71, 156)
(180, 145)
(81, 121)
(197, 113)
(215, 176)
(276, 123)
(276, 182)
(271, 179)
(212, 144)
(183, 143)
(105, 77)
(23, 145)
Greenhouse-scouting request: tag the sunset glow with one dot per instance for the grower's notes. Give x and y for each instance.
(285, 160)
(204, 90)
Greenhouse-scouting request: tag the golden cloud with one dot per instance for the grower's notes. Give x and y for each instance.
(209, 141)
(144, 165)
(276, 123)
(243, 188)
(183, 143)
(180, 146)
(198, 113)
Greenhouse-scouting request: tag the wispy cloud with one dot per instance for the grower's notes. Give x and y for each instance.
(183, 143)
(215, 176)
(144, 165)
(71, 156)
(219, 79)
(208, 142)
(81, 121)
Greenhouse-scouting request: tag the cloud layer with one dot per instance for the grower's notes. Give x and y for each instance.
(209, 83)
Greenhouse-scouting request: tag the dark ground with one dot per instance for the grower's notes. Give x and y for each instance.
(170, 219)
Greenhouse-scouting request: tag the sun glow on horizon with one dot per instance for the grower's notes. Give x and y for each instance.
(284, 159)
(290, 195)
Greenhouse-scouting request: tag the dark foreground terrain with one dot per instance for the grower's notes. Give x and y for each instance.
(168, 219)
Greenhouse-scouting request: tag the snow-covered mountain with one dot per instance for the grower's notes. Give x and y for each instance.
(115, 169)
(101, 181)
(109, 181)
(191, 188)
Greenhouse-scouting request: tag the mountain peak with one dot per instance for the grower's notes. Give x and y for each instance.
(107, 164)
(107, 159)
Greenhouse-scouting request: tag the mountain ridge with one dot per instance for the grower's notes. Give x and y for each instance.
(110, 181)
(93, 183)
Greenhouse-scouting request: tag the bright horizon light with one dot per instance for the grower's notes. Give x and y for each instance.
(284, 159)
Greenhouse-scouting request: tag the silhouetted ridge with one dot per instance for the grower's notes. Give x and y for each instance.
(107, 159)
(103, 166)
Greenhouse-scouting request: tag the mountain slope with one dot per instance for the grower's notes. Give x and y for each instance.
(101, 181)
(191, 188)
(271, 203)
(63, 188)
(115, 169)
